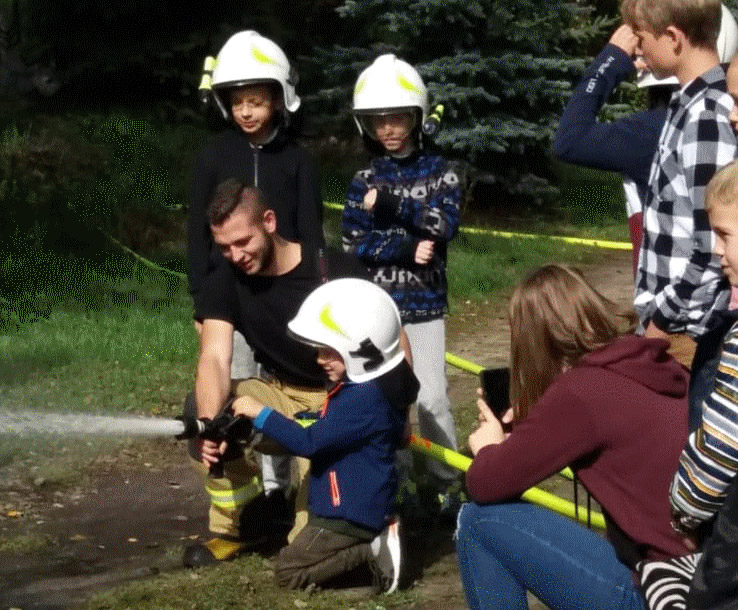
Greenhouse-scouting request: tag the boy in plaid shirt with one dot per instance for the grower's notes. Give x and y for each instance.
(680, 291)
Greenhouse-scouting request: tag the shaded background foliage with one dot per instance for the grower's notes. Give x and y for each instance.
(109, 152)
(138, 52)
(502, 68)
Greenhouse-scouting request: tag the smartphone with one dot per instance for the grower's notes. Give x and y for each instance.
(496, 389)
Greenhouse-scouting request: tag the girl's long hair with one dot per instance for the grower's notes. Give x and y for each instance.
(556, 317)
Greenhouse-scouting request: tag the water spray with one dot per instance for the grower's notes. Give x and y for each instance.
(34, 423)
(235, 430)
(224, 427)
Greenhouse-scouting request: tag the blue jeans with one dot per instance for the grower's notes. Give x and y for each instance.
(505, 549)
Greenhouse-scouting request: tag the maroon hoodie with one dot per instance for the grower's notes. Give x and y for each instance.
(619, 418)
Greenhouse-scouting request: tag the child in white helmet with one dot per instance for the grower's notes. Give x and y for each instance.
(400, 214)
(253, 86)
(356, 329)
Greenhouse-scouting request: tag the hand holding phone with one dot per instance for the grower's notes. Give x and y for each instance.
(495, 385)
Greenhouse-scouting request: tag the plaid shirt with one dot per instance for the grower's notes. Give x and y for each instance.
(679, 284)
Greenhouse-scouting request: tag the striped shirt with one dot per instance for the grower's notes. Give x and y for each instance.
(709, 462)
(679, 284)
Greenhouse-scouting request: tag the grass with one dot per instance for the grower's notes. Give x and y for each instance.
(115, 339)
(482, 266)
(110, 337)
(25, 544)
(246, 582)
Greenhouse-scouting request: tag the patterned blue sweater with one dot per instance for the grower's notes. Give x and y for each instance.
(418, 199)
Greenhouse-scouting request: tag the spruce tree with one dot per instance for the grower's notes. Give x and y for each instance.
(502, 68)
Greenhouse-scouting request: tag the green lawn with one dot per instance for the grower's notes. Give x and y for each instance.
(117, 336)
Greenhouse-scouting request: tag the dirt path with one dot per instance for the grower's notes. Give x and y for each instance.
(132, 520)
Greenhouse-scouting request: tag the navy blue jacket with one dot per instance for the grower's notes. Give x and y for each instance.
(626, 145)
(352, 451)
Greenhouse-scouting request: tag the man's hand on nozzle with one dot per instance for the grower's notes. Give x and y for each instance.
(210, 451)
(624, 38)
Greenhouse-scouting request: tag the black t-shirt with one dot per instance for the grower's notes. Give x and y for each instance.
(261, 306)
(281, 169)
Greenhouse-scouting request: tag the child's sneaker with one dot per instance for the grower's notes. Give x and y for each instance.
(386, 565)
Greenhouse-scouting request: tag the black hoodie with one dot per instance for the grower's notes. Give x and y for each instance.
(281, 169)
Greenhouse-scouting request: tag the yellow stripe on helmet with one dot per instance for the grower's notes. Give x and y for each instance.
(406, 84)
(327, 320)
(262, 57)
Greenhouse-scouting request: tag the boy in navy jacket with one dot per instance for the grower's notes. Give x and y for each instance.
(356, 329)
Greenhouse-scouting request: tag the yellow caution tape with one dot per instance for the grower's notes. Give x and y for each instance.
(534, 495)
(462, 364)
(580, 241)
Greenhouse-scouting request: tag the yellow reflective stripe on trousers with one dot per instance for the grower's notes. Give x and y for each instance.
(233, 498)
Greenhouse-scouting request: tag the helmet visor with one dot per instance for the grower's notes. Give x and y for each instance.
(365, 118)
(301, 339)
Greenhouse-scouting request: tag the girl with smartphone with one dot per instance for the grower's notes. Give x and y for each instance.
(611, 405)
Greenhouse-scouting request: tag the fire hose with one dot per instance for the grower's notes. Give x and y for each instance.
(236, 429)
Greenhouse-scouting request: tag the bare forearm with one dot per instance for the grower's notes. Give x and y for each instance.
(212, 386)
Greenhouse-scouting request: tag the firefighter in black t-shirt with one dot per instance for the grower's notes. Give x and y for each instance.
(257, 291)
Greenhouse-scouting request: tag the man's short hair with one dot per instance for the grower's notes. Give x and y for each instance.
(698, 19)
(722, 190)
(231, 194)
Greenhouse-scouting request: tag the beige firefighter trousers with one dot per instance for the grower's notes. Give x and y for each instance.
(240, 483)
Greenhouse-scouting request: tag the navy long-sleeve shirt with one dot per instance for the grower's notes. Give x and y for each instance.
(352, 452)
(626, 145)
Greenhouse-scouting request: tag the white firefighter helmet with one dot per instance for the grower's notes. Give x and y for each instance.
(247, 58)
(356, 318)
(727, 46)
(387, 86)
